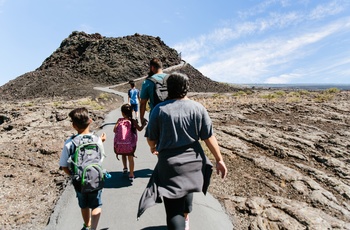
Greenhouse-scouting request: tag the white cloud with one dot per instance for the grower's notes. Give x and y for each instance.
(233, 54)
(205, 44)
(331, 8)
(282, 79)
(263, 6)
(249, 63)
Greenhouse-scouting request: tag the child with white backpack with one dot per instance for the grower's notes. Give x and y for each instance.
(125, 139)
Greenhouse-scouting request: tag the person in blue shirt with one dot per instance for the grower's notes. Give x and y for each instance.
(134, 98)
(147, 90)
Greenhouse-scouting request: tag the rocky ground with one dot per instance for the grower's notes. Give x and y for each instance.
(31, 137)
(288, 158)
(287, 154)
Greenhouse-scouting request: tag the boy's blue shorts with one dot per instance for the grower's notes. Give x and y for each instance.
(135, 107)
(90, 200)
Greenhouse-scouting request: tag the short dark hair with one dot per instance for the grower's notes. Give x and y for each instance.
(177, 85)
(132, 83)
(156, 63)
(80, 117)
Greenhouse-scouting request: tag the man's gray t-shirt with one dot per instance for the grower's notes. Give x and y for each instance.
(177, 123)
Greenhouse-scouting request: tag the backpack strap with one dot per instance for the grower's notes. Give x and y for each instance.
(152, 79)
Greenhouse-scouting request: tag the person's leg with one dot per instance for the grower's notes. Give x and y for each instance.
(174, 209)
(95, 217)
(95, 204)
(85, 213)
(85, 210)
(131, 166)
(188, 209)
(135, 108)
(125, 167)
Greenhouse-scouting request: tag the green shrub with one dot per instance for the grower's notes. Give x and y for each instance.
(332, 90)
(269, 96)
(217, 95)
(91, 103)
(103, 96)
(239, 93)
(29, 104)
(322, 97)
(294, 94)
(304, 92)
(280, 93)
(294, 99)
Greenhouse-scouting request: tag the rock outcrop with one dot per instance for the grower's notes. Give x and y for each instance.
(86, 60)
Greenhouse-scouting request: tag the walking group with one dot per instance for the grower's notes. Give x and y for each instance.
(173, 131)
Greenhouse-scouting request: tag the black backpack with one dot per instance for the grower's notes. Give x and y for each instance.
(86, 163)
(160, 93)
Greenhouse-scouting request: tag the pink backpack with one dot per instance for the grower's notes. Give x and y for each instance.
(125, 138)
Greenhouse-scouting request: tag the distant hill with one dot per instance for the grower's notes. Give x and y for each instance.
(86, 60)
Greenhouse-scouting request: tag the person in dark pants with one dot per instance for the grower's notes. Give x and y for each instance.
(173, 133)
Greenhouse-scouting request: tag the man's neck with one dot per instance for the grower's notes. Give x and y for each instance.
(159, 71)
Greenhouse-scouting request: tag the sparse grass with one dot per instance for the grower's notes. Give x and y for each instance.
(332, 90)
(91, 103)
(218, 101)
(103, 96)
(280, 93)
(274, 95)
(239, 93)
(303, 92)
(57, 104)
(217, 95)
(270, 96)
(326, 95)
(293, 99)
(29, 104)
(323, 97)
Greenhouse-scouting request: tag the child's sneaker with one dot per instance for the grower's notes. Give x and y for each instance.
(125, 170)
(187, 223)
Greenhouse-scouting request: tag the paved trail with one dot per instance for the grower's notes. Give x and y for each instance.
(120, 197)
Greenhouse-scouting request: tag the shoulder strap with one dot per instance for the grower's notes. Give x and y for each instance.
(151, 79)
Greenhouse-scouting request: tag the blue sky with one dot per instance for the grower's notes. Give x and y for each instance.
(239, 41)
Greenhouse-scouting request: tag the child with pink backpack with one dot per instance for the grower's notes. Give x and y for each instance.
(125, 139)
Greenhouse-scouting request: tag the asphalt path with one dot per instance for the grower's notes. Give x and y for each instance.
(120, 197)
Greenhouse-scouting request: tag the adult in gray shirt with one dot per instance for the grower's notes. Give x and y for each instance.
(173, 133)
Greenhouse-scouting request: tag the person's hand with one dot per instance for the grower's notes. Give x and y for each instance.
(154, 151)
(103, 137)
(221, 167)
(144, 121)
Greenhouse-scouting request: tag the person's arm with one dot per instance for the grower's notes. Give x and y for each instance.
(214, 148)
(103, 137)
(137, 126)
(66, 170)
(64, 158)
(152, 145)
(143, 104)
(138, 96)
